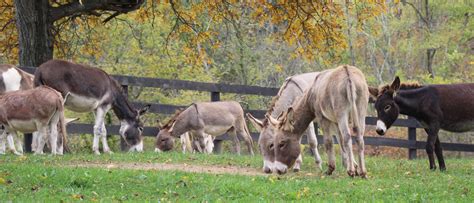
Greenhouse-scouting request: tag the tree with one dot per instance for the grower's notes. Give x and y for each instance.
(35, 22)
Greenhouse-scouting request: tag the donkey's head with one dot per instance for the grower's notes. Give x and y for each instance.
(131, 129)
(387, 109)
(286, 142)
(265, 141)
(164, 139)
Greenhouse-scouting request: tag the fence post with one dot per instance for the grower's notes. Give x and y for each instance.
(216, 96)
(123, 144)
(412, 141)
(27, 139)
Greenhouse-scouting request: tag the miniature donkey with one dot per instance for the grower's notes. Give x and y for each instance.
(214, 118)
(448, 107)
(337, 98)
(39, 109)
(292, 88)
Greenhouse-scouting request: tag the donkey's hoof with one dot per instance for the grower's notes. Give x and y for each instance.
(97, 152)
(296, 170)
(330, 170)
(351, 173)
(109, 152)
(363, 175)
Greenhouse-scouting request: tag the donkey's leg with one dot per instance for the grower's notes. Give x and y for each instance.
(328, 144)
(430, 145)
(439, 155)
(236, 141)
(42, 135)
(11, 142)
(359, 131)
(3, 137)
(99, 131)
(247, 138)
(53, 134)
(313, 144)
(346, 144)
(298, 163)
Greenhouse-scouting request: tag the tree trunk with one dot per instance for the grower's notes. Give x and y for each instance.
(34, 32)
(429, 61)
(34, 38)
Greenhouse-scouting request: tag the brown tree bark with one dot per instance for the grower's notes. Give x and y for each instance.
(34, 32)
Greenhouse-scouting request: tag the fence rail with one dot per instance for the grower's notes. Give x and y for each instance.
(216, 89)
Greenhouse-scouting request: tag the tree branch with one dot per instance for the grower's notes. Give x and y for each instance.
(90, 7)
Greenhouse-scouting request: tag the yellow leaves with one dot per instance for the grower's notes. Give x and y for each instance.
(279, 68)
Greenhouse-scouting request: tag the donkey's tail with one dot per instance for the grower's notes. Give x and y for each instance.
(62, 121)
(352, 97)
(38, 79)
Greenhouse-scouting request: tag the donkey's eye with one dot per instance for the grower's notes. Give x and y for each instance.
(140, 129)
(271, 146)
(387, 108)
(281, 145)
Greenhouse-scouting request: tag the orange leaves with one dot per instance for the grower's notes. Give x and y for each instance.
(8, 33)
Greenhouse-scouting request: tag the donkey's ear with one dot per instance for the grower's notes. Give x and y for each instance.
(144, 109)
(289, 120)
(258, 124)
(373, 93)
(395, 86)
(172, 126)
(274, 122)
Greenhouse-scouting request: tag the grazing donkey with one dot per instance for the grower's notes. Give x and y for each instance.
(39, 109)
(93, 90)
(292, 88)
(337, 98)
(447, 107)
(213, 118)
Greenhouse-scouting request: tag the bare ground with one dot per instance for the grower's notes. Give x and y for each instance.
(173, 167)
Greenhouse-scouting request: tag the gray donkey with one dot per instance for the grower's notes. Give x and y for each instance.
(292, 88)
(337, 98)
(213, 118)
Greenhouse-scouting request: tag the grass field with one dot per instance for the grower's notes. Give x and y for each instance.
(69, 178)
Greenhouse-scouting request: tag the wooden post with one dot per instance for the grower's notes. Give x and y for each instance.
(28, 139)
(216, 96)
(412, 141)
(123, 145)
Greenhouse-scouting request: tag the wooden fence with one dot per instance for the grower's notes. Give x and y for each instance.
(215, 90)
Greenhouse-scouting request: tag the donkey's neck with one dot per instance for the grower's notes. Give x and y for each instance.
(303, 115)
(408, 101)
(122, 108)
(180, 127)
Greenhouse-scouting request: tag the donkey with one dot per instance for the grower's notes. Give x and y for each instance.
(214, 118)
(447, 107)
(39, 109)
(337, 98)
(292, 88)
(12, 79)
(90, 89)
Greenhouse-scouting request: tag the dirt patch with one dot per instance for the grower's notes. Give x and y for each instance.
(174, 167)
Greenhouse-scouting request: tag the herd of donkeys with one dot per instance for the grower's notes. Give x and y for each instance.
(336, 99)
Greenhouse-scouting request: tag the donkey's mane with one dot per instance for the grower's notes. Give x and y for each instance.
(173, 118)
(403, 86)
(277, 97)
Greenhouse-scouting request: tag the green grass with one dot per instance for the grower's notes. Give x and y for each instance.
(44, 178)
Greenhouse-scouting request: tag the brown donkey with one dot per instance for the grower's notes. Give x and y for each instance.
(337, 98)
(213, 118)
(447, 107)
(90, 89)
(39, 109)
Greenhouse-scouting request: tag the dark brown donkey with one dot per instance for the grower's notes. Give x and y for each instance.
(447, 107)
(90, 89)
